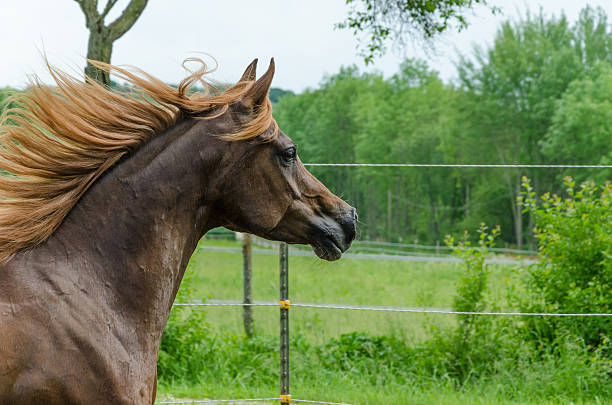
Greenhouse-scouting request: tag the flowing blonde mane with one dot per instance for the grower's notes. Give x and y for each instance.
(60, 139)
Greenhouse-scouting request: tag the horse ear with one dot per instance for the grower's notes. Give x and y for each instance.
(249, 73)
(258, 92)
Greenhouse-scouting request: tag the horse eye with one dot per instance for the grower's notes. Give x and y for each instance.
(288, 155)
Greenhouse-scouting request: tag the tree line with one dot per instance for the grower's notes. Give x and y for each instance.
(541, 93)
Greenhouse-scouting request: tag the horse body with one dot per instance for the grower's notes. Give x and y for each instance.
(82, 314)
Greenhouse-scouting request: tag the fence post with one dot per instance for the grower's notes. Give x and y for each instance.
(247, 272)
(389, 215)
(284, 324)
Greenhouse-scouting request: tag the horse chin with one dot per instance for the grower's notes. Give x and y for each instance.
(327, 250)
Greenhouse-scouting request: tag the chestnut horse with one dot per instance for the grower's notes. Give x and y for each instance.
(103, 198)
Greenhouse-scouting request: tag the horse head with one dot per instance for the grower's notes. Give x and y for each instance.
(268, 192)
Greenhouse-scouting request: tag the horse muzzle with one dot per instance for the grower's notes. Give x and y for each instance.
(334, 236)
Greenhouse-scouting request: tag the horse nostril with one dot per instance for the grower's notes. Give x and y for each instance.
(353, 214)
(350, 226)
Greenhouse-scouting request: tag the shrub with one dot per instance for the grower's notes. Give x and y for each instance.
(471, 349)
(186, 346)
(190, 353)
(364, 355)
(574, 274)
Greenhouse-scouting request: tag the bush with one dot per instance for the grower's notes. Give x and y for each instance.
(574, 274)
(470, 350)
(186, 346)
(366, 356)
(190, 353)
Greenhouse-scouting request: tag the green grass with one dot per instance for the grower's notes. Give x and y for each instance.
(237, 367)
(347, 281)
(553, 380)
(339, 389)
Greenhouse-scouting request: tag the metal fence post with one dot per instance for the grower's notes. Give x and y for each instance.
(247, 271)
(284, 324)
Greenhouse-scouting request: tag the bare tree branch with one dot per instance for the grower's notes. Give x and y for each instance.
(107, 9)
(90, 9)
(125, 21)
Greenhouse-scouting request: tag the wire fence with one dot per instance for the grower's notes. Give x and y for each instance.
(217, 401)
(377, 256)
(417, 310)
(477, 165)
(284, 304)
(395, 246)
(245, 401)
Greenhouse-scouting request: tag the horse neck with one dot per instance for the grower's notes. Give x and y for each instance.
(138, 225)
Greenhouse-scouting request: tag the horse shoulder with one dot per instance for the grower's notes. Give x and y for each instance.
(58, 345)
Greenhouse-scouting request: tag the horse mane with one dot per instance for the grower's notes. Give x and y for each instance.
(60, 139)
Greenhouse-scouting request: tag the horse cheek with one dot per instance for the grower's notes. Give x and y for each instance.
(267, 213)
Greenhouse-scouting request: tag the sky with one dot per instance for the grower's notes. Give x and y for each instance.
(300, 35)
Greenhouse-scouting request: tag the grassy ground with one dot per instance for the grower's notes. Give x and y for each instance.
(344, 390)
(347, 281)
(241, 368)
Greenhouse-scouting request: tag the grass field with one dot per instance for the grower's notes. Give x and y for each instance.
(243, 368)
(347, 281)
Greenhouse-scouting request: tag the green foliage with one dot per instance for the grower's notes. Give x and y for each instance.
(463, 362)
(363, 118)
(377, 358)
(190, 353)
(582, 123)
(472, 285)
(574, 274)
(380, 20)
(471, 349)
(539, 94)
(276, 94)
(186, 347)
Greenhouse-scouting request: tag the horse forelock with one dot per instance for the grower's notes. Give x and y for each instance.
(60, 139)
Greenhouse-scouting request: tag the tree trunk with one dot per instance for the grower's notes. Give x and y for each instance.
(466, 207)
(99, 48)
(101, 37)
(518, 215)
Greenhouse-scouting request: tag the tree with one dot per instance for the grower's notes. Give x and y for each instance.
(101, 36)
(515, 85)
(404, 121)
(582, 124)
(380, 20)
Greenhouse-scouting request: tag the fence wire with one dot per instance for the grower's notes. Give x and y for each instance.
(215, 401)
(318, 402)
(236, 401)
(418, 310)
(516, 166)
(225, 304)
(372, 256)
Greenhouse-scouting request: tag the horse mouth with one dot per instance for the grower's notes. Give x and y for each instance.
(328, 249)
